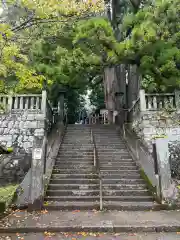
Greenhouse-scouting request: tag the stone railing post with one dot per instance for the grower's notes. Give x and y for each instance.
(10, 103)
(43, 102)
(142, 100)
(177, 99)
(167, 188)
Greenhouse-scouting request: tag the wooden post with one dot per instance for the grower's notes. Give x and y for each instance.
(142, 100)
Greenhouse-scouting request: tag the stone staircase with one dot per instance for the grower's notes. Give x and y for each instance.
(74, 184)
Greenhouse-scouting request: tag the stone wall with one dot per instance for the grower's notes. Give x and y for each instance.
(17, 130)
(157, 124)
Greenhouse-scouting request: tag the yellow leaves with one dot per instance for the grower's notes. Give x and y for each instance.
(5, 31)
(44, 211)
(49, 234)
(19, 237)
(3, 70)
(56, 8)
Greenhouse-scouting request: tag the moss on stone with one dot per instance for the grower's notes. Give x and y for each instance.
(7, 195)
(149, 185)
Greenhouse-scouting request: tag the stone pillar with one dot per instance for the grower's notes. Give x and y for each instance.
(37, 173)
(10, 103)
(142, 100)
(61, 106)
(177, 100)
(167, 188)
(43, 102)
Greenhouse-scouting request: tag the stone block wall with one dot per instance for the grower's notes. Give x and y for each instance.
(155, 124)
(150, 125)
(17, 130)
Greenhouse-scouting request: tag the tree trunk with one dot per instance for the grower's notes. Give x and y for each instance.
(133, 88)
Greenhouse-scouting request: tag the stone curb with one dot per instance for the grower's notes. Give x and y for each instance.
(95, 229)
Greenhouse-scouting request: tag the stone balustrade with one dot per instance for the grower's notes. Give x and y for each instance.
(158, 101)
(21, 102)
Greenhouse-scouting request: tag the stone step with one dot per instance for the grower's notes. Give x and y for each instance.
(73, 186)
(74, 175)
(117, 163)
(137, 198)
(76, 148)
(72, 151)
(71, 164)
(74, 158)
(119, 167)
(118, 181)
(75, 154)
(107, 205)
(130, 206)
(72, 198)
(96, 198)
(119, 171)
(113, 155)
(74, 181)
(95, 192)
(114, 158)
(67, 164)
(114, 145)
(80, 161)
(74, 145)
(123, 186)
(107, 150)
(73, 170)
(117, 176)
(78, 192)
(66, 141)
(72, 205)
(125, 192)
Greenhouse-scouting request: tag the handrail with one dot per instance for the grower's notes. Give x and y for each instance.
(97, 166)
(134, 104)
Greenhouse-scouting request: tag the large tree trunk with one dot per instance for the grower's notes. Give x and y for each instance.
(109, 81)
(133, 88)
(115, 92)
(120, 92)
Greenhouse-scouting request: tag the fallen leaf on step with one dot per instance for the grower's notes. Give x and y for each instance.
(132, 234)
(44, 211)
(76, 211)
(117, 234)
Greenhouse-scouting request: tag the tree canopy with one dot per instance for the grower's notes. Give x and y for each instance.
(69, 43)
(150, 40)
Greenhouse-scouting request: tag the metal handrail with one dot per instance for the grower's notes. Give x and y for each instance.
(134, 104)
(97, 166)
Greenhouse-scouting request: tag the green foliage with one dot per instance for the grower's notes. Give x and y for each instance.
(7, 194)
(97, 97)
(153, 44)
